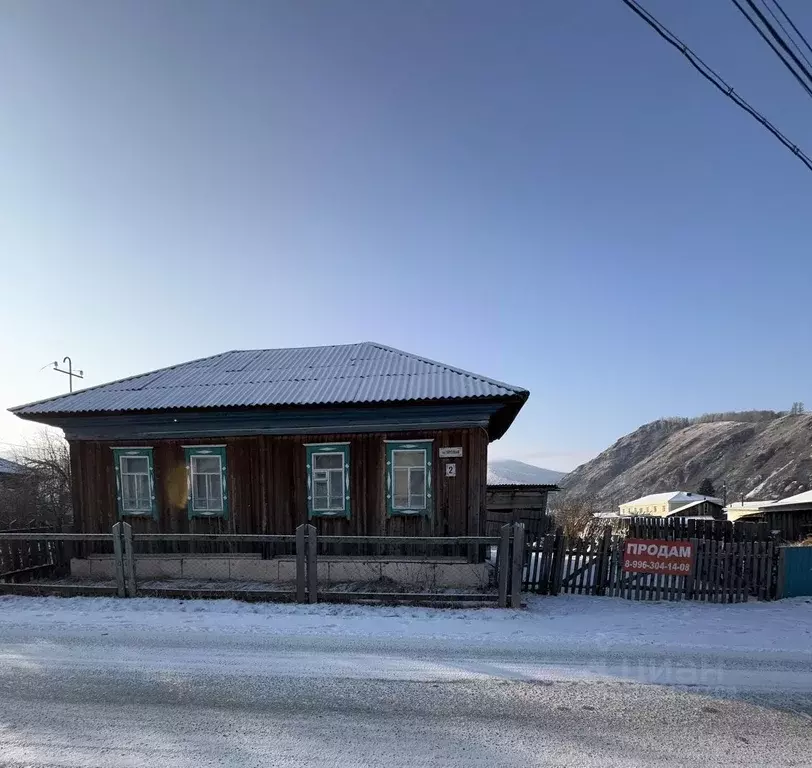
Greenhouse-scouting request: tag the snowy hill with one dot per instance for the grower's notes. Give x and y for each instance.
(758, 454)
(511, 472)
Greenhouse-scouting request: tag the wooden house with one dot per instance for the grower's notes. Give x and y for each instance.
(12, 474)
(357, 439)
(791, 517)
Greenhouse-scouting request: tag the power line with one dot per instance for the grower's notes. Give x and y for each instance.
(779, 40)
(786, 31)
(791, 23)
(716, 79)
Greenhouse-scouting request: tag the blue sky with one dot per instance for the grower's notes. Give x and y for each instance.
(542, 192)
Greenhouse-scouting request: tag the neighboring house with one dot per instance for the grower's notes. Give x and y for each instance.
(792, 516)
(358, 439)
(746, 511)
(704, 508)
(667, 504)
(11, 473)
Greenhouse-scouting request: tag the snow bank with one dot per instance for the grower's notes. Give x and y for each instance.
(585, 622)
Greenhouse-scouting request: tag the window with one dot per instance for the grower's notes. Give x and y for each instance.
(135, 481)
(408, 477)
(207, 494)
(328, 480)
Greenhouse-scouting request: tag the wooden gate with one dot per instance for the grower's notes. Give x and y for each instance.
(795, 572)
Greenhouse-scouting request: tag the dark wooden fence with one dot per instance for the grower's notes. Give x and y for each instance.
(688, 528)
(22, 559)
(724, 571)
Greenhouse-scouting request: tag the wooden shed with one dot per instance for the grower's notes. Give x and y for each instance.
(357, 439)
(518, 503)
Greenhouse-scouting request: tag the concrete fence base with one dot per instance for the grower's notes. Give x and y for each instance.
(430, 573)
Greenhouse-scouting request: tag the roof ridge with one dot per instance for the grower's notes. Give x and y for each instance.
(304, 346)
(448, 367)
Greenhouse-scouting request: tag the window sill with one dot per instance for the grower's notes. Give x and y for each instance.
(408, 513)
(139, 513)
(325, 513)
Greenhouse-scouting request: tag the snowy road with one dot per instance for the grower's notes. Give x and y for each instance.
(157, 683)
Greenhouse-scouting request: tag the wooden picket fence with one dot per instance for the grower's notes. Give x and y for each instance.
(649, 527)
(724, 571)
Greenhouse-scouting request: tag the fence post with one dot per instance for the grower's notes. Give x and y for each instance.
(503, 564)
(690, 583)
(312, 567)
(602, 570)
(518, 563)
(301, 583)
(129, 560)
(118, 559)
(782, 564)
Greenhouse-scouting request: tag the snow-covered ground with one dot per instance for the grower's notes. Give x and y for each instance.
(190, 684)
(596, 623)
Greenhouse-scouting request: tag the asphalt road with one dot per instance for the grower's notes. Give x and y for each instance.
(131, 700)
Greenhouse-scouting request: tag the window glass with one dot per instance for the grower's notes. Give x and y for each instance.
(337, 490)
(409, 458)
(328, 461)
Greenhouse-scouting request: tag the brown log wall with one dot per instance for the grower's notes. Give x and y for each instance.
(267, 486)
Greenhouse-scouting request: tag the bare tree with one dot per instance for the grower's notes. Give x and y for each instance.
(574, 514)
(41, 496)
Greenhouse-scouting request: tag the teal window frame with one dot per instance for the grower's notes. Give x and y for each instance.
(315, 449)
(136, 452)
(427, 446)
(207, 451)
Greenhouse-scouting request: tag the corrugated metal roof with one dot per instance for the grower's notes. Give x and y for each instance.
(11, 467)
(799, 498)
(675, 496)
(350, 373)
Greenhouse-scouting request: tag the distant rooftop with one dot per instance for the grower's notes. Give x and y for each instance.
(739, 505)
(11, 467)
(673, 496)
(798, 498)
(345, 374)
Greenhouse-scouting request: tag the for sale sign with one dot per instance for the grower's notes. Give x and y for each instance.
(650, 556)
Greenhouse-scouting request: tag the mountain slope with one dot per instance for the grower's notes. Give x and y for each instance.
(511, 472)
(758, 454)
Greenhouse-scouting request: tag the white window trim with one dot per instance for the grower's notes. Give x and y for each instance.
(122, 474)
(207, 510)
(341, 469)
(407, 444)
(424, 468)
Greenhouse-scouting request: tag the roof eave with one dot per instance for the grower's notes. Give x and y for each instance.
(498, 425)
(502, 419)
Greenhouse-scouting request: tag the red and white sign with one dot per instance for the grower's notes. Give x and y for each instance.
(656, 556)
